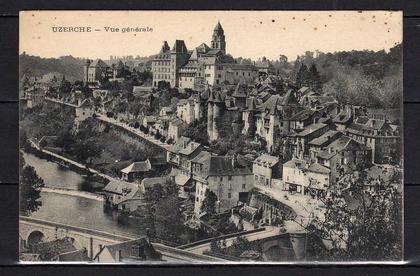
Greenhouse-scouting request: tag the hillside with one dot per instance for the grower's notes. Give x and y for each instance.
(69, 66)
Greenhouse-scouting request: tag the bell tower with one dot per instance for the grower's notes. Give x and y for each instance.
(218, 38)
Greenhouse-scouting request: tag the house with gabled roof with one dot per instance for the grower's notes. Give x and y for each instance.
(132, 251)
(122, 195)
(302, 177)
(266, 168)
(383, 140)
(342, 156)
(136, 170)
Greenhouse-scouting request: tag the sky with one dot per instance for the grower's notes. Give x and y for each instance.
(249, 34)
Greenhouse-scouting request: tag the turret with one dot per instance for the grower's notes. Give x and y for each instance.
(86, 71)
(218, 38)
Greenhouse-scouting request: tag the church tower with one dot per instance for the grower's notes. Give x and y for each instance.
(218, 38)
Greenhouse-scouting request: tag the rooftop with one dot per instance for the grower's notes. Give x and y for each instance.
(142, 166)
(311, 129)
(325, 138)
(266, 159)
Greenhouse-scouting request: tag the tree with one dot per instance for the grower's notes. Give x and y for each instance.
(197, 131)
(302, 76)
(209, 202)
(314, 77)
(240, 245)
(367, 229)
(86, 149)
(65, 87)
(30, 189)
(168, 219)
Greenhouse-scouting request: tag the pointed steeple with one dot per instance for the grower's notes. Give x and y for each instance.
(218, 39)
(218, 27)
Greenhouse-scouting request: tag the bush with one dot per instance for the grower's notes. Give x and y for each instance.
(163, 139)
(136, 125)
(109, 114)
(170, 141)
(158, 135)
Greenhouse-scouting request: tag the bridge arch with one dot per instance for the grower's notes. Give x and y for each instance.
(35, 237)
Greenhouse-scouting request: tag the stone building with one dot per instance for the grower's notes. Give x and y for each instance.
(202, 66)
(215, 109)
(229, 177)
(266, 168)
(378, 135)
(95, 71)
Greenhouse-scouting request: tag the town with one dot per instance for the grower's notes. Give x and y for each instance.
(212, 158)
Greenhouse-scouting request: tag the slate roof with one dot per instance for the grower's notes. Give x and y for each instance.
(152, 181)
(302, 115)
(327, 137)
(266, 159)
(318, 168)
(126, 190)
(98, 63)
(179, 47)
(342, 143)
(126, 249)
(142, 166)
(190, 148)
(222, 165)
(310, 129)
(295, 163)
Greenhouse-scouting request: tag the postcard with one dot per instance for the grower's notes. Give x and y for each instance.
(199, 137)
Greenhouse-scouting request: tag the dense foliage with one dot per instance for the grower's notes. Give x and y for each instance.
(30, 185)
(361, 224)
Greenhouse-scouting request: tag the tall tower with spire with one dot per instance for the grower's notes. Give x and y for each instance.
(218, 38)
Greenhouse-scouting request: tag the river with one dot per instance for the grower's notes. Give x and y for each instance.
(73, 210)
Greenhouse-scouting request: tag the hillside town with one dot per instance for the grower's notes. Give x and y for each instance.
(226, 158)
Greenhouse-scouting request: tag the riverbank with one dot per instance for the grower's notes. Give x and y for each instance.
(71, 192)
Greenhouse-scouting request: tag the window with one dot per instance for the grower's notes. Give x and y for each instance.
(221, 178)
(229, 195)
(196, 199)
(243, 186)
(229, 177)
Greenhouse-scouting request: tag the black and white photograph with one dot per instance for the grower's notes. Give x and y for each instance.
(210, 137)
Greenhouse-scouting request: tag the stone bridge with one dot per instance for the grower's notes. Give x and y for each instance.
(275, 245)
(32, 231)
